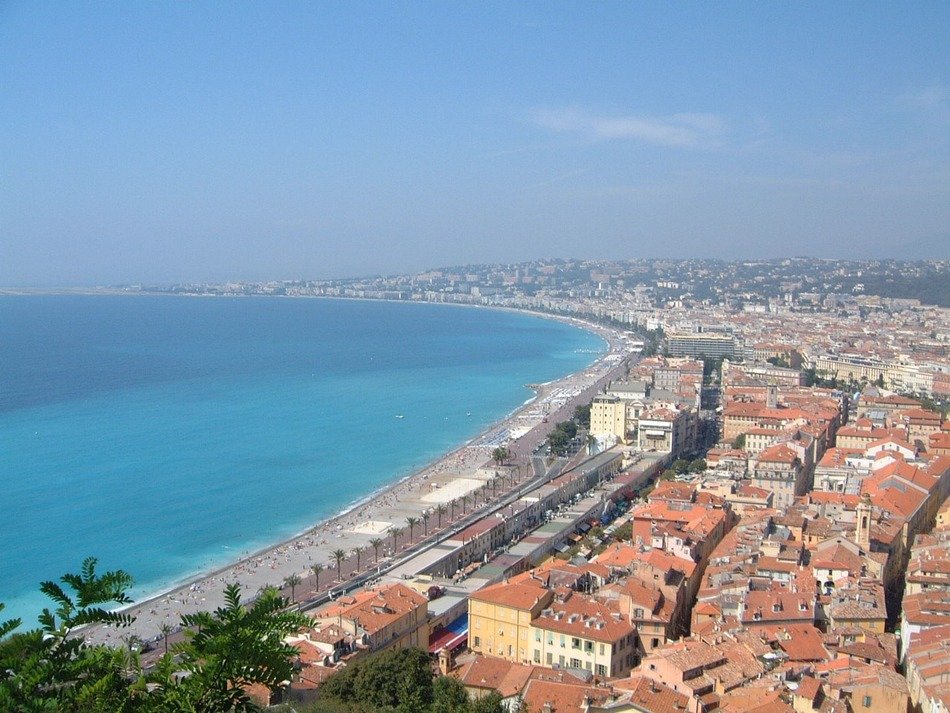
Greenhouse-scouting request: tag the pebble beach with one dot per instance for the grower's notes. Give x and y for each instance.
(441, 485)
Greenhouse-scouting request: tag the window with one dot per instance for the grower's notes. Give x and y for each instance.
(549, 658)
(560, 660)
(588, 646)
(656, 642)
(638, 613)
(478, 641)
(562, 641)
(537, 635)
(867, 701)
(537, 656)
(601, 649)
(575, 642)
(601, 670)
(575, 663)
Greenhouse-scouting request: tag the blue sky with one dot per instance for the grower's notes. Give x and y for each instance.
(163, 142)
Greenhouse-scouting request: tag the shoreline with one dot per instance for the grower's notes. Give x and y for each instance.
(382, 509)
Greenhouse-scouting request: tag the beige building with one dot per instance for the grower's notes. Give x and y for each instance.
(584, 634)
(668, 431)
(390, 617)
(608, 417)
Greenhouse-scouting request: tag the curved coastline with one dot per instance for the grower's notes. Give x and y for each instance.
(386, 504)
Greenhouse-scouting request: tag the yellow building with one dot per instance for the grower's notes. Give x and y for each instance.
(608, 416)
(499, 618)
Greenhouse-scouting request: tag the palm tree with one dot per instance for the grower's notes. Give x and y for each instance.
(440, 511)
(395, 532)
(357, 551)
(466, 499)
(425, 523)
(292, 581)
(494, 486)
(165, 629)
(316, 569)
(339, 556)
(412, 522)
(454, 500)
(239, 645)
(376, 543)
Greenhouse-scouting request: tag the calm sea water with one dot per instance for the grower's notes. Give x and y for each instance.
(167, 435)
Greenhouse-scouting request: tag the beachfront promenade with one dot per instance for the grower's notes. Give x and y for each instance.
(451, 491)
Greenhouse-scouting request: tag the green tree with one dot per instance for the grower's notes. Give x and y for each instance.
(425, 522)
(624, 533)
(500, 455)
(165, 629)
(292, 581)
(357, 551)
(229, 649)
(739, 441)
(492, 703)
(411, 522)
(52, 669)
(376, 543)
(449, 696)
(440, 511)
(568, 427)
(558, 442)
(338, 556)
(399, 680)
(582, 415)
(697, 466)
(395, 532)
(680, 466)
(316, 569)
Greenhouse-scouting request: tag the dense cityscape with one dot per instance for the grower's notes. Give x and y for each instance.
(532, 357)
(742, 508)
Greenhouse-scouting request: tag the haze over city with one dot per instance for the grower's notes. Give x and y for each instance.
(159, 142)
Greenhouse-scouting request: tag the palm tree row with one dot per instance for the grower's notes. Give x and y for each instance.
(339, 555)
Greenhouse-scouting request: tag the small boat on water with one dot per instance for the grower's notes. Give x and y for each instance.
(399, 415)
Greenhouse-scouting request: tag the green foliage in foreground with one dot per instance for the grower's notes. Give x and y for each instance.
(53, 669)
(397, 682)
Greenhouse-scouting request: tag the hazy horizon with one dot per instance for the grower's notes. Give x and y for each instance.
(164, 143)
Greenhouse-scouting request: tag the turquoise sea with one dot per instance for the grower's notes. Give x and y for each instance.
(168, 435)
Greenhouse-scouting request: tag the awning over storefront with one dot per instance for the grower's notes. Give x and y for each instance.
(452, 636)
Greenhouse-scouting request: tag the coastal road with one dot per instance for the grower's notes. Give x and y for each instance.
(309, 596)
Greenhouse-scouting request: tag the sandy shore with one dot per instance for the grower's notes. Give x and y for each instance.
(457, 475)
